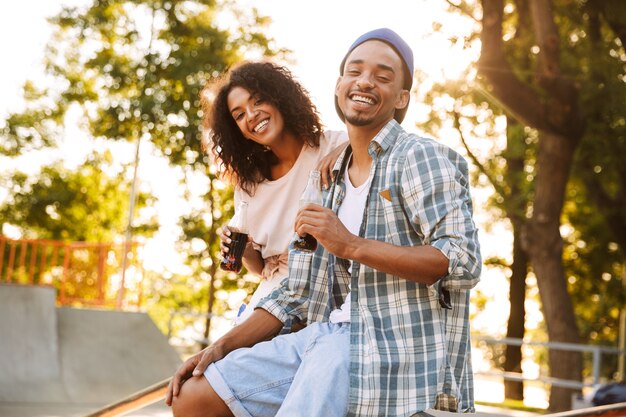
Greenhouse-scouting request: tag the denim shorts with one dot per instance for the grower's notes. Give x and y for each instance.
(298, 374)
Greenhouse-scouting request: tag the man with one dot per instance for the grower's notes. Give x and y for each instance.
(386, 295)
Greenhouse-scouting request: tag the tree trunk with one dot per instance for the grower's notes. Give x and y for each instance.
(213, 269)
(557, 115)
(545, 247)
(515, 327)
(516, 203)
(207, 327)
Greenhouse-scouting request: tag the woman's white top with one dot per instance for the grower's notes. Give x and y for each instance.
(272, 211)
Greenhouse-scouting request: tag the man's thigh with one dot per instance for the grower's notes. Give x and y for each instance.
(255, 381)
(321, 384)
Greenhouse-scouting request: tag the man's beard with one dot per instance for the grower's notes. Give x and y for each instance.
(358, 120)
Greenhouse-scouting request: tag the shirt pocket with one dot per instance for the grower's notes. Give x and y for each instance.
(392, 222)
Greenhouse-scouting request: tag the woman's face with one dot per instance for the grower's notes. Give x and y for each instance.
(257, 119)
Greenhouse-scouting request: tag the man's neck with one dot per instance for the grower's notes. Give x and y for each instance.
(360, 138)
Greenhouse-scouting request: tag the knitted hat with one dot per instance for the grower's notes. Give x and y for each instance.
(402, 49)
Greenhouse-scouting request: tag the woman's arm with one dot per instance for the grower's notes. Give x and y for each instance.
(252, 259)
(325, 165)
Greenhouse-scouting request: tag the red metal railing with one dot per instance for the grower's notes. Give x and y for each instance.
(81, 271)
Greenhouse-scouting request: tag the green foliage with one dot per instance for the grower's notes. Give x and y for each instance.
(513, 405)
(202, 246)
(174, 293)
(136, 68)
(85, 204)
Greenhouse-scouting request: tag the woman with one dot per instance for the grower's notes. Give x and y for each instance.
(267, 136)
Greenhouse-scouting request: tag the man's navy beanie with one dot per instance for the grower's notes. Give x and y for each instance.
(402, 49)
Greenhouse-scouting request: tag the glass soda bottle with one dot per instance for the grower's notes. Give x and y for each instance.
(311, 194)
(238, 226)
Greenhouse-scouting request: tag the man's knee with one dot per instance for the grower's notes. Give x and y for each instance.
(198, 399)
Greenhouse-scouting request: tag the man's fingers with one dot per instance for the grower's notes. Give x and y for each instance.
(176, 382)
(168, 395)
(204, 362)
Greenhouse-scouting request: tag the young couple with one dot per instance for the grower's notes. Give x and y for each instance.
(385, 298)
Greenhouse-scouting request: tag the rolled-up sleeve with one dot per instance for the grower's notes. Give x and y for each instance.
(436, 194)
(289, 301)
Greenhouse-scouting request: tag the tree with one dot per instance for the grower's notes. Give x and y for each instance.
(85, 204)
(551, 102)
(134, 70)
(86, 209)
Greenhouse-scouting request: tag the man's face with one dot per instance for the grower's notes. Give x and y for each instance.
(370, 89)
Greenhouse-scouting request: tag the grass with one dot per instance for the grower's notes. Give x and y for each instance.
(513, 405)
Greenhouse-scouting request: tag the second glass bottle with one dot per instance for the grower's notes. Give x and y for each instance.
(311, 194)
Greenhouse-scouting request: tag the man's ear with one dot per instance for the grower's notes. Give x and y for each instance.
(403, 99)
(337, 84)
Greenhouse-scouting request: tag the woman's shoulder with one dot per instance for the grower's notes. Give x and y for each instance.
(337, 136)
(331, 138)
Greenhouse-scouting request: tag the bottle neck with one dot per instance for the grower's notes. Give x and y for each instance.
(240, 220)
(312, 193)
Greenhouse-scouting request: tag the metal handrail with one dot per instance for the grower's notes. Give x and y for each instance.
(595, 350)
(134, 401)
(612, 410)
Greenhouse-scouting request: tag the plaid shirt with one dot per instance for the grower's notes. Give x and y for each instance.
(407, 352)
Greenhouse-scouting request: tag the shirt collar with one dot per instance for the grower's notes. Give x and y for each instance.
(383, 140)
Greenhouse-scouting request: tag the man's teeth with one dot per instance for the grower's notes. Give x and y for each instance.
(260, 125)
(363, 99)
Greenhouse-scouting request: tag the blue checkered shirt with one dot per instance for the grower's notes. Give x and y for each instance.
(407, 353)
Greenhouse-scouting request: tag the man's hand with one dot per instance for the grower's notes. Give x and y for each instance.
(260, 326)
(192, 367)
(325, 226)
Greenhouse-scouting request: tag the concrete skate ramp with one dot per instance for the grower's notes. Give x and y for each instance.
(73, 358)
(28, 335)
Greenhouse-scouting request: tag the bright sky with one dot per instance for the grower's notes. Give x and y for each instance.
(317, 32)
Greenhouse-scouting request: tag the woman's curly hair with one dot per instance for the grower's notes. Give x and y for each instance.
(246, 161)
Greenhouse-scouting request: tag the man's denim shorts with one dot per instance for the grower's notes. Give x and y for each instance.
(298, 374)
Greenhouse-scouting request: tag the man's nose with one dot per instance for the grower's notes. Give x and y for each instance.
(364, 81)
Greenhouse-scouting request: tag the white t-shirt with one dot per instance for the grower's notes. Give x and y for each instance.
(351, 215)
(272, 213)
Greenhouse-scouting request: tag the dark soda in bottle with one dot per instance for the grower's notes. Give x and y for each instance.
(311, 194)
(306, 243)
(238, 226)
